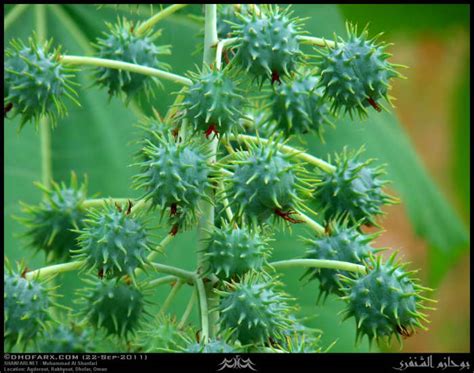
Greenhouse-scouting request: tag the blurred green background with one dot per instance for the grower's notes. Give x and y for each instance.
(424, 142)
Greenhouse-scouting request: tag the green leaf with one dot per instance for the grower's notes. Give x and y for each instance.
(461, 139)
(408, 18)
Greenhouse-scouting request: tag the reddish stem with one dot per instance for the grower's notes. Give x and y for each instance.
(287, 216)
(129, 209)
(211, 129)
(275, 77)
(374, 104)
(173, 209)
(174, 230)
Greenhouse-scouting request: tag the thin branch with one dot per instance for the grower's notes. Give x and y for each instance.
(148, 24)
(171, 295)
(170, 270)
(325, 166)
(53, 269)
(320, 42)
(120, 65)
(318, 228)
(318, 263)
(220, 49)
(206, 223)
(45, 130)
(187, 311)
(162, 280)
(203, 308)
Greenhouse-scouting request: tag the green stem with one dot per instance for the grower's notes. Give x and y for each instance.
(158, 250)
(100, 202)
(220, 49)
(318, 263)
(120, 65)
(201, 291)
(320, 42)
(206, 223)
(148, 24)
(45, 130)
(160, 247)
(325, 166)
(13, 15)
(210, 34)
(178, 272)
(161, 280)
(187, 311)
(171, 295)
(53, 269)
(318, 228)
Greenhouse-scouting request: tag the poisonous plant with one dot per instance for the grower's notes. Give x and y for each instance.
(205, 165)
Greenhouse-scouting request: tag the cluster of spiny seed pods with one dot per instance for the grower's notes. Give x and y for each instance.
(201, 163)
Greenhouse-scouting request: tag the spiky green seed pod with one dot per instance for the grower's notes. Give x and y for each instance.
(174, 176)
(298, 338)
(36, 83)
(233, 252)
(162, 335)
(385, 302)
(298, 106)
(342, 243)
(354, 190)
(121, 43)
(52, 224)
(114, 306)
(214, 103)
(66, 339)
(268, 45)
(226, 16)
(254, 309)
(355, 73)
(212, 346)
(26, 308)
(265, 183)
(113, 242)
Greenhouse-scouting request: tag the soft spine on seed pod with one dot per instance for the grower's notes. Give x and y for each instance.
(297, 106)
(175, 176)
(268, 45)
(343, 243)
(66, 339)
(354, 190)
(226, 16)
(27, 305)
(254, 309)
(298, 338)
(122, 43)
(232, 252)
(355, 73)
(163, 335)
(113, 243)
(52, 224)
(35, 82)
(267, 182)
(214, 103)
(212, 346)
(114, 306)
(385, 302)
